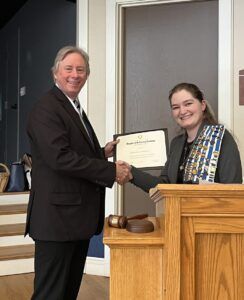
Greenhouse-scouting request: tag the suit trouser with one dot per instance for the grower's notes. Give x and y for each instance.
(59, 269)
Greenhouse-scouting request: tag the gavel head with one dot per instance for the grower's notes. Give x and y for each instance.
(117, 221)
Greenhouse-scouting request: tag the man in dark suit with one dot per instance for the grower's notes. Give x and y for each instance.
(70, 172)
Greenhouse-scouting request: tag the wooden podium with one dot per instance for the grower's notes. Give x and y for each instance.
(195, 252)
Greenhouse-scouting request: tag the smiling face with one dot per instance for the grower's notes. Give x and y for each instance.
(187, 110)
(71, 74)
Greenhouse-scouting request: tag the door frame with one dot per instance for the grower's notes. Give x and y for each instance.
(114, 77)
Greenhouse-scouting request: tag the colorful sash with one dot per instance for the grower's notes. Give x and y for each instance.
(203, 158)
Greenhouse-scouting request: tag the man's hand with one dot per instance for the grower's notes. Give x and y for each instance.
(109, 148)
(123, 172)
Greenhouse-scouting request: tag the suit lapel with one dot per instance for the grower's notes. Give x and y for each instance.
(75, 117)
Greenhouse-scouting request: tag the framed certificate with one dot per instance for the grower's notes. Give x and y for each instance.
(143, 149)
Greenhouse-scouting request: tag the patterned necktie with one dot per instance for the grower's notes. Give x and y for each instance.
(77, 104)
(84, 121)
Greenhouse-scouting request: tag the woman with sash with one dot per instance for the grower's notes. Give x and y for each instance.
(205, 151)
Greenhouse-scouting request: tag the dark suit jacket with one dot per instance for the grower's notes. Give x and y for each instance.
(229, 168)
(69, 174)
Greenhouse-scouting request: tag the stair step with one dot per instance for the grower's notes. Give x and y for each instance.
(12, 229)
(14, 198)
(17, 252)
(13, 209)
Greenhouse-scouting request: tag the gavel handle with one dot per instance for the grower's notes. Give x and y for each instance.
(138, 217)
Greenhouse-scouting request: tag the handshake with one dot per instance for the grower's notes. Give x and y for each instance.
(123, 172)
(123, 169)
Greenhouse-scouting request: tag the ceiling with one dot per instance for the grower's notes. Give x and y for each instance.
(8, 10)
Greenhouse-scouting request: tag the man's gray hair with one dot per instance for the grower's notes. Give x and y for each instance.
(63, 52)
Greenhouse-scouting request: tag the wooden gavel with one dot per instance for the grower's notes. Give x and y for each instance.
(121, 221)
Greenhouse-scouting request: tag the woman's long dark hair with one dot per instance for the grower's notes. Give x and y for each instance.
(208, 115)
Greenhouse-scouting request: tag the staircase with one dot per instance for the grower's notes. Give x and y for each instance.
(16, 251)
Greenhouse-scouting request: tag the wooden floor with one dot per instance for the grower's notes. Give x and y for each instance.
(19, 287)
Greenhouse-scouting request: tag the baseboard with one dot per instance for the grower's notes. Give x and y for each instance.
(94, 266)
(97, 266)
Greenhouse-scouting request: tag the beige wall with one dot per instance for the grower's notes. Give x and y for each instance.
(238, 65)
